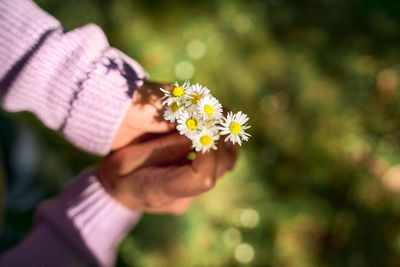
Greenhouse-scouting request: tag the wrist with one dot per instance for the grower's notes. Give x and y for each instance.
(87, 218)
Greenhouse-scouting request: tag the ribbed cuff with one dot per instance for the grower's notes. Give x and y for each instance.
(101, 102)
(89, 220)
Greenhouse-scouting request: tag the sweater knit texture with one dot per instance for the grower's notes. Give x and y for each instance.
(78, 85)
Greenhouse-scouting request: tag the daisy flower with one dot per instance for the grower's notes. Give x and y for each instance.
(173, 112)
(176, 94)
(205, 139)
(194, 94)
(209, 108)
(199, 117)
(188, 124)
(234, 125)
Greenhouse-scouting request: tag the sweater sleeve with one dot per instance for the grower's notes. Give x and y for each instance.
(80, 227)
(74, 82)
(78, 85)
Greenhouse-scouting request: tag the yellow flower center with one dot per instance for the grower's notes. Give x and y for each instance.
(196, 99)
(235, 127)
(205, 140)
(209, 110)
(178, 91)
(174, 107)
(191, 124)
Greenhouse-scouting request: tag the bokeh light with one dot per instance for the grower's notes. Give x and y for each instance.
(184, 70)
(318, 182)
(249, 218)
(244, 253)
(196, 49)
(232, 237)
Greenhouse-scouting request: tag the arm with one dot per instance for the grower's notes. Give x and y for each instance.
(80, 227)
(83, 225)
(78, 85)
(73, 81)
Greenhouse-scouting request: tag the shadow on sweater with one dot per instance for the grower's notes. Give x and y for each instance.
(12, 74)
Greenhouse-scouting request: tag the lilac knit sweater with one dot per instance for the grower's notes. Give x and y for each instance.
(80, 86)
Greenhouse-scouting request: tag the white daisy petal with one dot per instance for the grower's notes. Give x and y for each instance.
(209, 108)
(176, 94)
(234, 125)
(205, 140)
(194, 94)
(173, 112)
(188, 124)
(199, 116)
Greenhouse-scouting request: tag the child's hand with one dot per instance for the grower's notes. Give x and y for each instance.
(155, 176)
(143, 116)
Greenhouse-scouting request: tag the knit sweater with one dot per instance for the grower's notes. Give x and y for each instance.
(78, 85)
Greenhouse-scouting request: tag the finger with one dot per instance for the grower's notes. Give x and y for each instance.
(150, 118)
(157, 186)
(147, 102)
(158, 152)
(151, 91)
(176, 207)
(206, 163)
(226, 157)
(190, 179)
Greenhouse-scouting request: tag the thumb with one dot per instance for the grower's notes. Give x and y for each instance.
(146, 113)
(161, 151)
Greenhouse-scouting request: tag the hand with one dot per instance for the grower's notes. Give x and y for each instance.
(143, 116)
(155, 176)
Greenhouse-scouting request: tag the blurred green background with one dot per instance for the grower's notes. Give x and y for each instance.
(317, 184)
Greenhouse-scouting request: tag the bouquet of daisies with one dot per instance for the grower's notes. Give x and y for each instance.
(199, 116)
